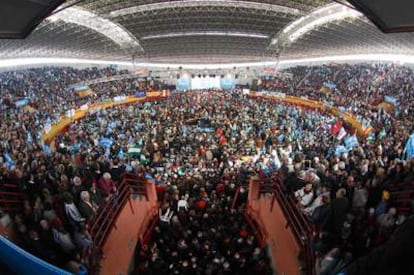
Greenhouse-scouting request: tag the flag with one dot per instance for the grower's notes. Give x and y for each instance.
(409, 148)
(8, 160)
(180, 171)
(134, 151)
(299, 145)
(144, 160)
(121, 154)
(351, 142)
(391, 99)
(107, 153)
(336, 127)
(371, 137)
(341, 134)
(340, 149)
(382, 134)
(29, 139)
(106, 142)
(365, 124)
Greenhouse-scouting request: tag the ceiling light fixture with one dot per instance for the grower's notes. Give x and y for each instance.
(205, 33)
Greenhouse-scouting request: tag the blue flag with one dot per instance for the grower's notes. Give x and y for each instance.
(29, 139)
(391, 99)
(107, 153)
(382, 134)
(121, 154)
(409, 148)
(351, 142)
(340, 149)
(106, 142)
(8, 160)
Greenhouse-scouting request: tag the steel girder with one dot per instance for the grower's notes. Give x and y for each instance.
(60, 39)
(107, 6)
(203, 19)
(349, 37)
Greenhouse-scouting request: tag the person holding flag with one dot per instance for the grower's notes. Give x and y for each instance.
(409, 147)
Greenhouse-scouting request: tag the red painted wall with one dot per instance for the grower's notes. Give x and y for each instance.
(120, 245)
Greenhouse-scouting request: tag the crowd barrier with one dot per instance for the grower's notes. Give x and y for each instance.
(313, 104)
(84, 110)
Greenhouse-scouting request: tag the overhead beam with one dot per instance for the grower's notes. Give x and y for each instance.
(321, 16)
(205, 3)
(106, 27)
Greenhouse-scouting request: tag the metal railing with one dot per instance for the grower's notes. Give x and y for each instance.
(106, 220)
(11, 198)
(295, 218)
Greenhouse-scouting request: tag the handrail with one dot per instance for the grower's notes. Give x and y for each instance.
(105, 220)
(148, 233)
(11, 201)
(256, 225)
(7, 193)
(297, 222)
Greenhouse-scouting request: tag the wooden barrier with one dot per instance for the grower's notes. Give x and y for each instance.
(313, 104)
(65, 121)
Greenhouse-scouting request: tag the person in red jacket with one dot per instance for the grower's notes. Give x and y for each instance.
(106, 185)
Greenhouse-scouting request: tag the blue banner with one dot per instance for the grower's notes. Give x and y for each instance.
(329, 85)
(227, 83)
(140, 94)
(80, 88)
(184, 83)
(391, 99)
(22, 102)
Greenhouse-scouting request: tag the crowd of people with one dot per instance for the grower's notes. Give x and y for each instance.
(199, 147)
